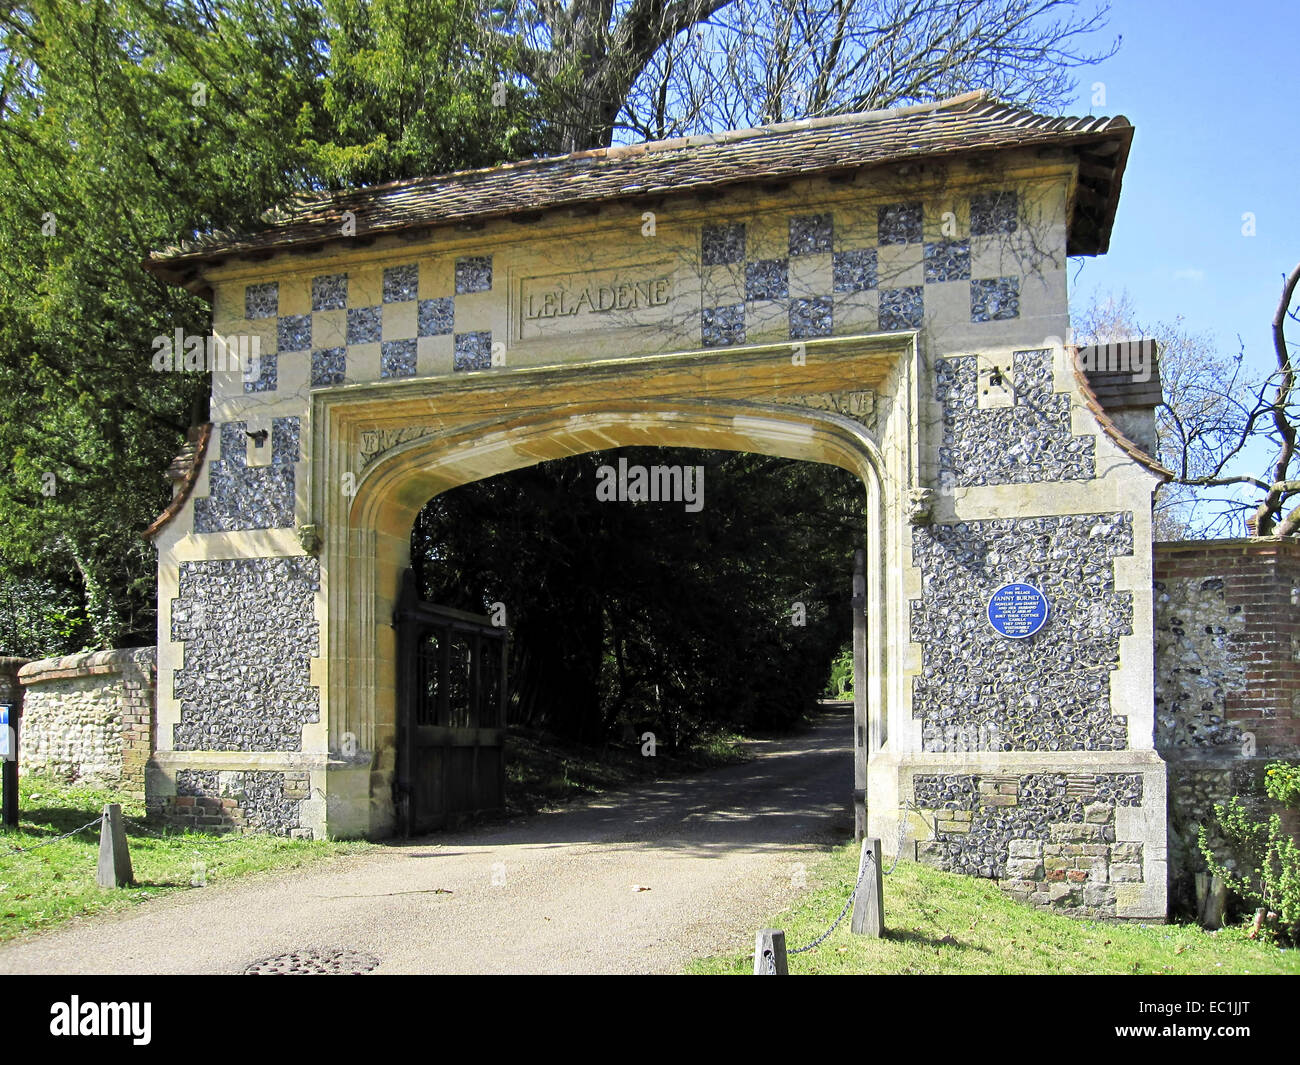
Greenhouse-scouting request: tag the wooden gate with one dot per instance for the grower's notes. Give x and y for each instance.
(451, 702)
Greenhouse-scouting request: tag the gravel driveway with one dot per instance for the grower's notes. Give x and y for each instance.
(635, 882)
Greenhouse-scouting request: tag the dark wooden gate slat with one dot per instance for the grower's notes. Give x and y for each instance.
(451, 754)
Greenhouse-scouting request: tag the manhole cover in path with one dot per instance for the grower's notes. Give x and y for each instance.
(312, 962)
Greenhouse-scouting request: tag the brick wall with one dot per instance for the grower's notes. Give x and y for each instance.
(90, 717)
(11, 691)
(1227, 633)
(139, 679)
(1257, 585)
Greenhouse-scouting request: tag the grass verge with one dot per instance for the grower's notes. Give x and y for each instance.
(944, 923)
(40, 889)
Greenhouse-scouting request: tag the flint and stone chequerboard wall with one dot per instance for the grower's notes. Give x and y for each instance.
(904, 323)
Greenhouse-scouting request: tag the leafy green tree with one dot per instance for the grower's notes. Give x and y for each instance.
(129, 126)
(40, 618)
(403, 97)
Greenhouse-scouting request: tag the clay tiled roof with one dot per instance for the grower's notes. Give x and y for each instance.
(1099, 411)
(973, 124)
(184, 473)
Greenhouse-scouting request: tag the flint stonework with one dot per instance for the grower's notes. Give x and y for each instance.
(249, 630)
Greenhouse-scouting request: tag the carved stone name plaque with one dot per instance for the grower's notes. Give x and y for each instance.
(560, 305)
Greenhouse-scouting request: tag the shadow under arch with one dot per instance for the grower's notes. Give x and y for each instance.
(363, 572)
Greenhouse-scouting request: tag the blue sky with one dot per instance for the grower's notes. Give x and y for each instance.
(1211, 89)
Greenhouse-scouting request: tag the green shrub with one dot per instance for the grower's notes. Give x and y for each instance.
(1267, 872)
(840, 685)
(1282, 783)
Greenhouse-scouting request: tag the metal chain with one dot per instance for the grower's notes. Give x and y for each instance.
(870, 860)
(47, 842)
(138, 826)
(847, 903)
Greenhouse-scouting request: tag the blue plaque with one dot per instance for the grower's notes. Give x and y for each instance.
(1017, 610)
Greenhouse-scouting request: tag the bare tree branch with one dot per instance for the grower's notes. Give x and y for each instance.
(665, 68)
(1212, 421)
(1282, 420)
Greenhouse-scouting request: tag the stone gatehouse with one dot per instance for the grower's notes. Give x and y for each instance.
(885, 292)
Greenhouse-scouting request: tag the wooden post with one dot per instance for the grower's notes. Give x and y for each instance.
(114, 858)
(868, 902)
(859, 694)
(409, 678)
(769, 953)
(1211, 900)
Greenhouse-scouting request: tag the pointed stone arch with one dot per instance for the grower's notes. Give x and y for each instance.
(381, 455)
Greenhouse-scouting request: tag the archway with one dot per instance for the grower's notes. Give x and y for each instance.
(659, 603)
(378, 508)
(442, 465)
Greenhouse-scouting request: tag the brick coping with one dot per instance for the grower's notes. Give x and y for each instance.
(1252, 545)
(88, 664)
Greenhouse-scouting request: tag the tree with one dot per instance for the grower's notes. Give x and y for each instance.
(401, 96)
(131, 125)
(1273, 416)
(41, 618)
(652, 69)
(1198, 419)
(1216, 418)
